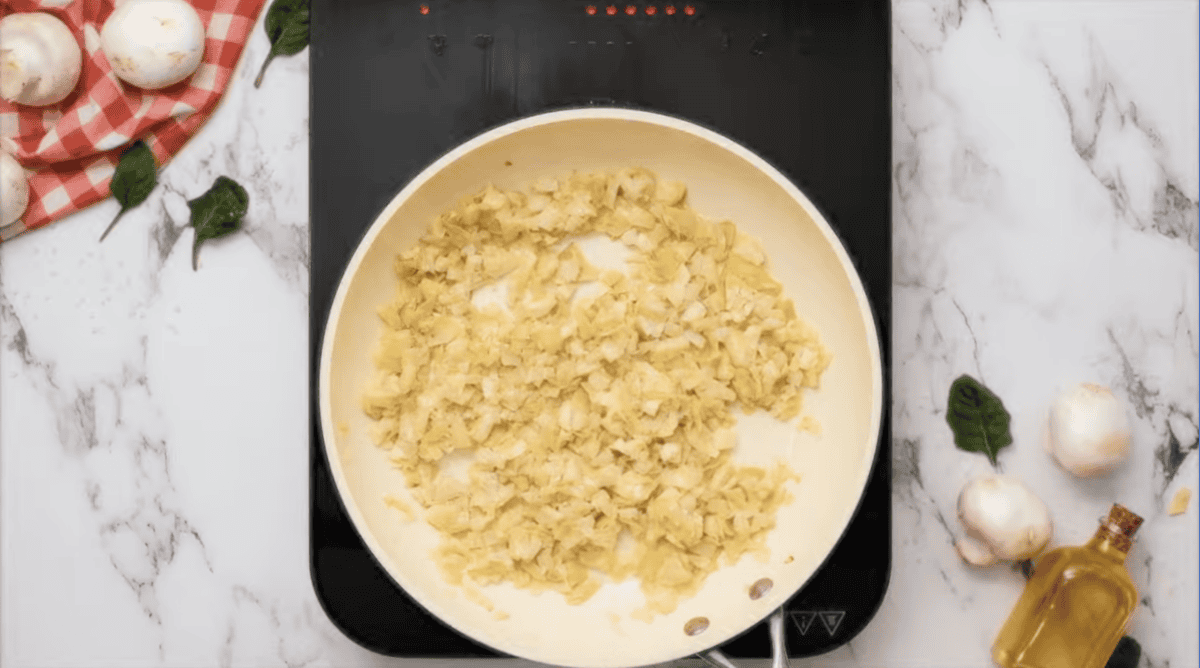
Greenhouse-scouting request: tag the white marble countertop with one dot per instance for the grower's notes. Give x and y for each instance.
(153, 440)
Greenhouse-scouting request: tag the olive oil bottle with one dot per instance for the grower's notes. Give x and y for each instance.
(1076, 603)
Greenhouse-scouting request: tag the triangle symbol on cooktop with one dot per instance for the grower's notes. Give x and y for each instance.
(832, 619)
(803, 620)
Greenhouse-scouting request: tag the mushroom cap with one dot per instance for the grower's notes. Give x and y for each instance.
(1089, 430)
(40, 60)
(14, 189)
(153, 44)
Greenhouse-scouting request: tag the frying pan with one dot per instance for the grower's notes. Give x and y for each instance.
(725, 182)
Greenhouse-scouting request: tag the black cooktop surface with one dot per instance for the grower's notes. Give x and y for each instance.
(395, 84)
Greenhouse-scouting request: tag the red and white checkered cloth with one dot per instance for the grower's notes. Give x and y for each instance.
(71, 149)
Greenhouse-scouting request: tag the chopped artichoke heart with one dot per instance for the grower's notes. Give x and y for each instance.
(598, 427)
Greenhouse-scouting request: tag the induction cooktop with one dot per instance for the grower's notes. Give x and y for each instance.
(395, 84)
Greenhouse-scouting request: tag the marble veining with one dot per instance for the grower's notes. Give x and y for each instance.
(153, 443)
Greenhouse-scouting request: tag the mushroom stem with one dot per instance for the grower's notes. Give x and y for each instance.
(975, 552)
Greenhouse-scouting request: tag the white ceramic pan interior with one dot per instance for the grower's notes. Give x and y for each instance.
(724, 181)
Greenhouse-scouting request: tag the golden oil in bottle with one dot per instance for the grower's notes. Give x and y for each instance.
(1076, 603)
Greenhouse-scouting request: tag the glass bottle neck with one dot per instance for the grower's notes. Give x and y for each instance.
(1110, 543)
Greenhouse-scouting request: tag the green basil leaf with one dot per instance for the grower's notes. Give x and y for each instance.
(978, 418)
(293, 36)
(217, 212)
(287, 28)
(135, 176)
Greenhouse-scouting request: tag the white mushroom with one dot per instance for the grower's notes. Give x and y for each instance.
(14, 190)
(1004, 519)
(153, 44)
(1088, 430)
(40, 60)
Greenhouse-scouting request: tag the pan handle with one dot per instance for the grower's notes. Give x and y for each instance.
(715, 657)
(779, 659)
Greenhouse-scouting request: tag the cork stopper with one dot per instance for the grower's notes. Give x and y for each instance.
(1121, 524)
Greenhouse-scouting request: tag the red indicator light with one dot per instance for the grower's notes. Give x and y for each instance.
(651, 10)
(630, 10)
(424, 9)
(611, 10)
(670, 10)
(591, 10)
(689, 10)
